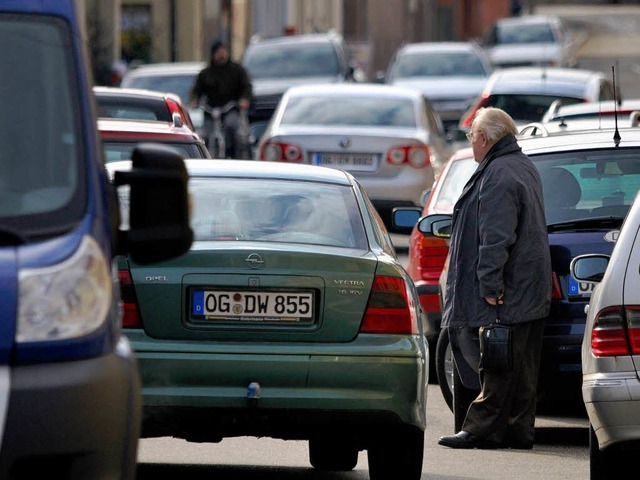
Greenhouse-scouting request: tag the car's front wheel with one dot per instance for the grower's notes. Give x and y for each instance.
(397, 453)
(332, 454)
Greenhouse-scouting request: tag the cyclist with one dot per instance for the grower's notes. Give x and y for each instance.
(220, 82)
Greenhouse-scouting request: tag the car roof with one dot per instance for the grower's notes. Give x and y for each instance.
(579, 140)
(592, 108)
(330, 36)
(116, 92)
(256, 169)
(542, 80)
(528, 20)
(421, 47)
(368, 89)
(166, 68)
(115, 128)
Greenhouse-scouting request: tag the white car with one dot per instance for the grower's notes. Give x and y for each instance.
(611, 350)
(450, 74)
(174, 77)
(530, 40)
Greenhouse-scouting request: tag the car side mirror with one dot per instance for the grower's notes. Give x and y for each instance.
(589, 267)
(437, 225)
(403, 219)
(158, 217)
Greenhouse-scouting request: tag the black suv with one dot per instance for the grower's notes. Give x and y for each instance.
(275, 64)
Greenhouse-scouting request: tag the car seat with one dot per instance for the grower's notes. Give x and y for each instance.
(562, 193)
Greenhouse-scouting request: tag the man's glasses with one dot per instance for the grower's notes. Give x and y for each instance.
(470, 136)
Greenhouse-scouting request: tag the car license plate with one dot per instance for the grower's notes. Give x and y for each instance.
(251, 306)
(347, 161)
(580, 289)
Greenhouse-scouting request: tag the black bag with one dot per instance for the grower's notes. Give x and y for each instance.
(495, 347)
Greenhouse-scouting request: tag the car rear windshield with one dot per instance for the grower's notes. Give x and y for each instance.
(444, 64)
(42, 182)
(589, 184)
(116, 151)
(180, 84)
(527, 107)
(275, 211)
(292, 60)
(355, 110)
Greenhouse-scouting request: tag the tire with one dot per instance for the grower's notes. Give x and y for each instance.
(612, 462)
(332, 454)
(462, 398)
(445, 367)
(397, 454)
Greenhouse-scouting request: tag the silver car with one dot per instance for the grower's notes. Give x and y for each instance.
(611, 351)
(389, 137)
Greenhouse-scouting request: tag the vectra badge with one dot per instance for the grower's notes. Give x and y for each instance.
(254, 261)
(345, 142)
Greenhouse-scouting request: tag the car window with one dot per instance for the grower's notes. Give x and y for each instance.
(445, 64)
(116, 151)
(354, 110)
(294, 60)
(452, 184)
(130, 112)
(589, 184)
(180, 84)
(275, 211)
(530, 108)
(41, 173)
(520, 33)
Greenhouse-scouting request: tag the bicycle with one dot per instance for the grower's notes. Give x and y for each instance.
(216, 141)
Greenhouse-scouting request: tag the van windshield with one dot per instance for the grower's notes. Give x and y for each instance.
(41, 174)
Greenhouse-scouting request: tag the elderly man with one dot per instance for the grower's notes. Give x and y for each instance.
(500, 264)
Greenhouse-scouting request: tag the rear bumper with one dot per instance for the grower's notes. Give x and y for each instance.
(82, 415)
(380, 380)
(612, 406)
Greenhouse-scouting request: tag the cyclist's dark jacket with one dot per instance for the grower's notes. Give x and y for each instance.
(222, 83)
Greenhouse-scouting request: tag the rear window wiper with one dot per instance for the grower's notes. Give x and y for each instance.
(586, 223)
(11, 237)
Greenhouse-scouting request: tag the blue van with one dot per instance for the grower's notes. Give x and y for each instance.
(69, 384)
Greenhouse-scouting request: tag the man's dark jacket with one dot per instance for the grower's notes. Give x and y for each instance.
(222, 83)
(499, 244)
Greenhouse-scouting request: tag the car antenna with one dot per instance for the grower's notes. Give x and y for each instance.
(616, 135)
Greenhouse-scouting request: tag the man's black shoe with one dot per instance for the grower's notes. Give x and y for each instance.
(464, 439)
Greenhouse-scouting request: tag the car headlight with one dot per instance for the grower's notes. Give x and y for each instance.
(66, 300)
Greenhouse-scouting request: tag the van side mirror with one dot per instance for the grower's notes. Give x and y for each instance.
(159, 227)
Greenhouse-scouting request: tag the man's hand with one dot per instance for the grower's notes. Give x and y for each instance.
(493, 300)
(243, 103)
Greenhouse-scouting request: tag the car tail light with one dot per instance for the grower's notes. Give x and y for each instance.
(131, 314)
(467, 120)
(390, 308)
(616, 331)
(281, 152)
(417, 156)
(175, 108)
(432, 252)
(556, 291)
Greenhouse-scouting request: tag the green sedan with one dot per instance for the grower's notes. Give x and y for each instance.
(291, 317)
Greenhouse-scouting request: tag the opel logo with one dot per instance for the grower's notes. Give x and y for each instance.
(254, 261)
(345, 142)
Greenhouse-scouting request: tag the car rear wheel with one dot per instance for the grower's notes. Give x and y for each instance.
(612, 462)
(445, 367)
(397, 454)
(332, 454)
